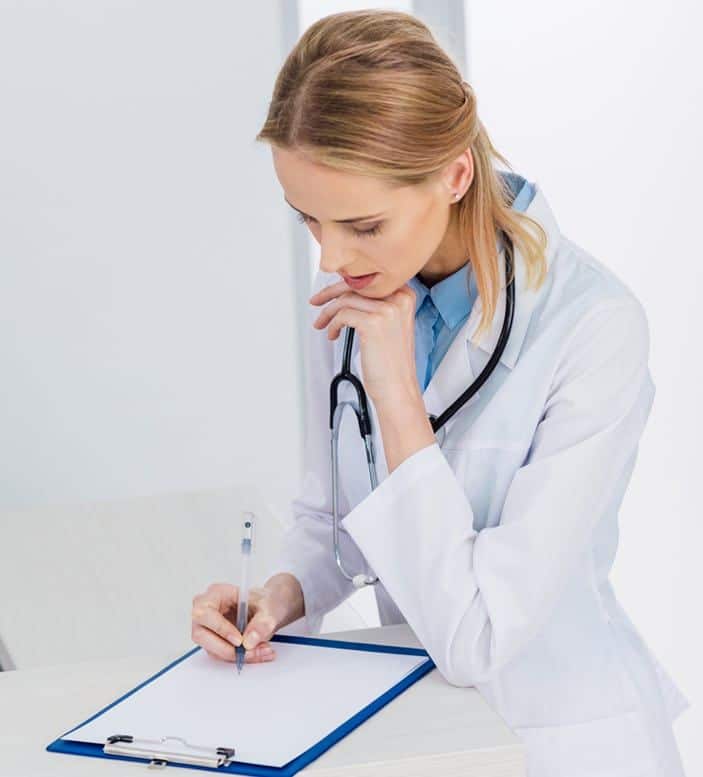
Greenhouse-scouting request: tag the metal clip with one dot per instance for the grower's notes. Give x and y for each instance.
(161, 752)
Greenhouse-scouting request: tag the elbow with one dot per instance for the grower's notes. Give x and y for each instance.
(459, 671)
(464, 659)
(457, 677)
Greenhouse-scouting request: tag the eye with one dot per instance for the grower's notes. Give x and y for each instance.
(360, 232)
(368, 232)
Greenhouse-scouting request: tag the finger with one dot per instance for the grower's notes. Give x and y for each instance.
(410, 299)
(215, 645)
(358, 319)
(328, 292)
(259, 629)
(264, 651)
(408, 296)
(251, 657)
(205, 614)
(351, 300)
(218, 648)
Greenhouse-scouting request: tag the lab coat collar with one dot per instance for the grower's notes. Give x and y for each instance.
(454, 373)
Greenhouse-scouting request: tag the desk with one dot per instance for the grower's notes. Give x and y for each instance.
(432, 728)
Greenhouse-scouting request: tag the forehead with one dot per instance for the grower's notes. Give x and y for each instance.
(323, 192)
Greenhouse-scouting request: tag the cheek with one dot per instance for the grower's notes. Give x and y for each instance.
(394, 257)
(408, 251)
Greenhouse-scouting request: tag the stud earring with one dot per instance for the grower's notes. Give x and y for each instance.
(456, 195)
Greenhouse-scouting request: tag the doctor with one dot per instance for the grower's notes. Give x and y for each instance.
(494, 539)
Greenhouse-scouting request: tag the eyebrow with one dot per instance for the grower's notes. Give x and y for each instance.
(338, 221)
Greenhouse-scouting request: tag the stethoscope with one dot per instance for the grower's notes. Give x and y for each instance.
(361, 410)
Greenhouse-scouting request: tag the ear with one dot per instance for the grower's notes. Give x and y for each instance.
(459, 174)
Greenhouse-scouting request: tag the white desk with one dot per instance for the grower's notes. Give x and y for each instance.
(432, 728)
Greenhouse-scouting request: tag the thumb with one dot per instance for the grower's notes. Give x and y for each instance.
(259, 629)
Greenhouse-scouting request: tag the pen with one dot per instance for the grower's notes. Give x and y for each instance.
(243, 598)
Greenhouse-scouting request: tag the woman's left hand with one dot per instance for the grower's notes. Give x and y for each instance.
(386, 332)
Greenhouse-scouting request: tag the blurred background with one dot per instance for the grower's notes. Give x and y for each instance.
(154, 283)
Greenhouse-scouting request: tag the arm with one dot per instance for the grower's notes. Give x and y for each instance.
(475, 599)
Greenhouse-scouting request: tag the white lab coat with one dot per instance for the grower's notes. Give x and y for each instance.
(495, 543)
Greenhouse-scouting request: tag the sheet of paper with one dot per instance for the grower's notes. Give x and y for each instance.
(270, 713)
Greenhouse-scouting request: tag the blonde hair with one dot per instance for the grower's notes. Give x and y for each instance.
(371, 92)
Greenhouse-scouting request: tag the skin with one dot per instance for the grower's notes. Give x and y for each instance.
(418, 235)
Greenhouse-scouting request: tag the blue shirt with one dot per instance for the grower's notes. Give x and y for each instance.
(442, 309)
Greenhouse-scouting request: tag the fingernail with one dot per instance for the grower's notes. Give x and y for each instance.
(251, 639)
(235, 640)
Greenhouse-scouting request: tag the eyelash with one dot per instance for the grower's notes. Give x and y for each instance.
(360, 232)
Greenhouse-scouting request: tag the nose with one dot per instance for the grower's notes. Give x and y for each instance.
(329, 265)
(331, 254)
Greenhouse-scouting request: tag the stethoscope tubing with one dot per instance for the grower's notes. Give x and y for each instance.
(361, 410)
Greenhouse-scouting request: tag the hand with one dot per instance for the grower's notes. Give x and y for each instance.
(386, 332)
(214, 617)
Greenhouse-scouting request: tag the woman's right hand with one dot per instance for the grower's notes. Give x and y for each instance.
(214, 618)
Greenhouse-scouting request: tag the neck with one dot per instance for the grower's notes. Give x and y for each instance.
(431, 276)
(449, 256)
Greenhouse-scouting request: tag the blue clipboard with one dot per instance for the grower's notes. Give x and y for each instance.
(94, 750)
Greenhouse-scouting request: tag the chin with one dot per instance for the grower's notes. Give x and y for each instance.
(375, 291)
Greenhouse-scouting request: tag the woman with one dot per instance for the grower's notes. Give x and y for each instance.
(493, 541)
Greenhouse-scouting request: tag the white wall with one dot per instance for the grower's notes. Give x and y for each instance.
(147, 341)
(600, 102)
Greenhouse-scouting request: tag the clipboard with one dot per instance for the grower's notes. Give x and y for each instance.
(173, 750)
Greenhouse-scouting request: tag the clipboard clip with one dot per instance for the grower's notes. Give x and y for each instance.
(167, 750)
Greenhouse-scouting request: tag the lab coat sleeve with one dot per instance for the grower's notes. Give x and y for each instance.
(475, 599)
(306, 547)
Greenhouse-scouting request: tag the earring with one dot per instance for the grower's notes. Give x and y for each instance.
(456, 195)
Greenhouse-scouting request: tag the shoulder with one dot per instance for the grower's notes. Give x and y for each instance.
(584, 297)
(594, 328)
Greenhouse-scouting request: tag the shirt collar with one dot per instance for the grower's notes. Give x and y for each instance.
(452, 296)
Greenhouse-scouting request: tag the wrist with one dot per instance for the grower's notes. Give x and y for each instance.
(405, 429)
(402, 403)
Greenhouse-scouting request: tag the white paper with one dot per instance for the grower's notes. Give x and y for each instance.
(270, 713)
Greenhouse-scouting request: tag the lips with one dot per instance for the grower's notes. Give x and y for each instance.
(358, 281)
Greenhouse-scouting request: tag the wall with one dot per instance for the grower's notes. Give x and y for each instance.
(600, 103)
(148, 339)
